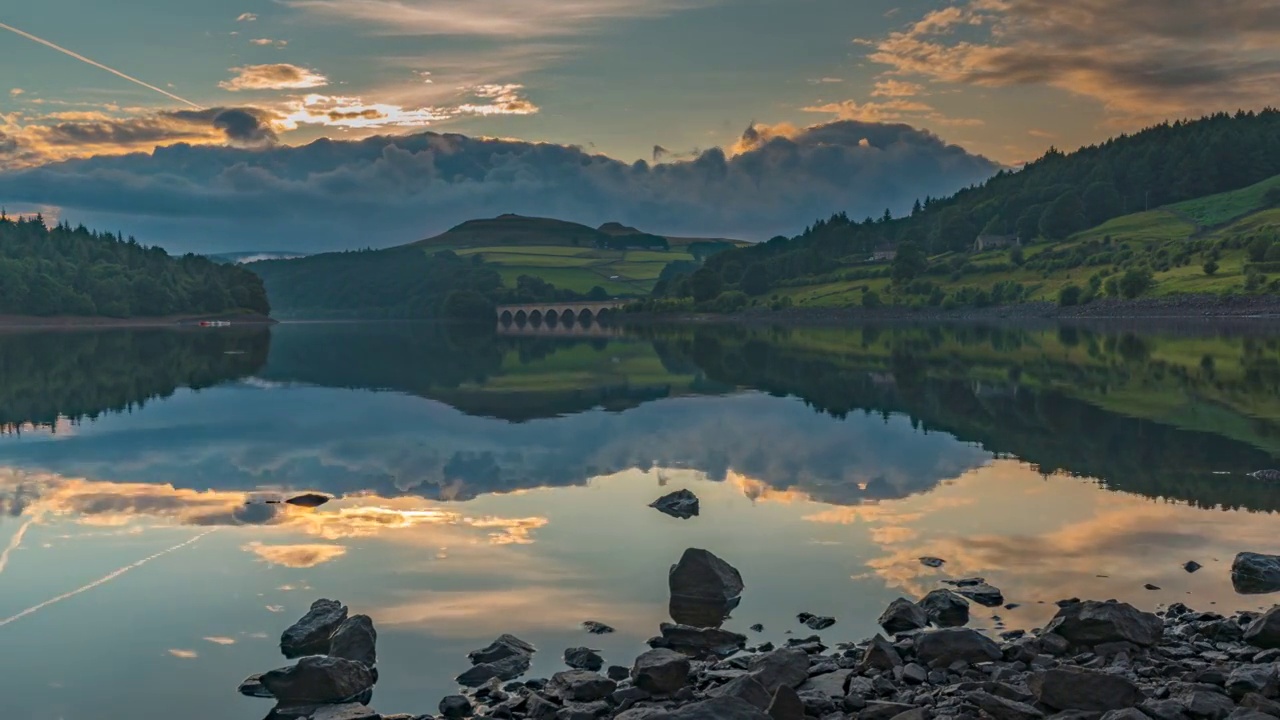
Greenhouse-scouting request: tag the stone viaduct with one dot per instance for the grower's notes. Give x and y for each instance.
(556, 313)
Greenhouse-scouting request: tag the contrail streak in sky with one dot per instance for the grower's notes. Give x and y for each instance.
(14, 543)
(97, 64)
(100, 581)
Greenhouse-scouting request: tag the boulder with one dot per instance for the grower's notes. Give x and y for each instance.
(698, 642)
(508, 668)
(318, 679)
(786, 704)
(310, 635)
(1001, 708)
(1205, 704)
(581, 686)
(581, 658)
(455, 706)
(1264, 631)
(940, 648)
(681, 504)
(1072, 688)
(945, 608)
(697, 612)
(744, 687)
(618, 672)
(1246, 679)
(660, 671)
(983, 594)
(596, 628)
(831, 684)
(722, 708)
(788, 666)
(816, 622)
(355, 639)
(880, 654)
(902, 615)
(1255, 573)
(504, 647)
(703, 576)
(1092, 622)
(252, 687)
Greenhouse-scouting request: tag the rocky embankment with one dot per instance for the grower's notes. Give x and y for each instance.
(1093, 661)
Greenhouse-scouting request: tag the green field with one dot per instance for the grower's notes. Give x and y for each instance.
(619, 272)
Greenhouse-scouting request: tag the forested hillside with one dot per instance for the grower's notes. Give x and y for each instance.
(64, 271)
(1045, 203)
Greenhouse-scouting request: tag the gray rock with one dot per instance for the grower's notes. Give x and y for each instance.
(508, 668)
(902, 615)
(618, 672)
(252, 687)
(831, 684)
(943, 647)
(681, 504)
(880, 654)
(933, 562)
(660, 671)
(945, 608)
(1206, 704)
(583, 711)
(1191, 566)
(786, 704)
(915, 674)
(581, 658)
(816, 622)
(1246, 679)
(1071, 688)
(310, 635)
(983, 594)
(596, 628)
(581, 686)
(1003, 708)
(455, 706)
(1163, 709)
(703, 576)
(724, 708)
(698, 642)
(1092, 622)
(318, 679)
(504, 647)
(346, 711)
(744, 687)
(1125, 714)
(1264, 631)
(644, 713)
(1247, 714)
(877, 710)
(1254, 701)
(355, 639)
(788, 666)
(1255, 573)
(308, 500)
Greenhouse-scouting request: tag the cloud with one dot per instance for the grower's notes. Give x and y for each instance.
(184, 654)
(275, 76)
(246, 17)
(15, 92)
(502, 100)
(296, 556)
(896, 89)
(825, 81)
(486, 18)
(221, 640)
(264, 42)
(1141, 59)
(775, 180)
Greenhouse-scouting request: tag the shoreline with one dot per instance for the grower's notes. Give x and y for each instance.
(1095, 660)
(32, 322)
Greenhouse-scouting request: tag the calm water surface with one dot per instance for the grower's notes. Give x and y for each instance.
(499, 484)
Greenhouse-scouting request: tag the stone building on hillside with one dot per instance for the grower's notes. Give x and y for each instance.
(994, 242)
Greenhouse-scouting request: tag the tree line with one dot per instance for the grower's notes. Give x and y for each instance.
(75, 271)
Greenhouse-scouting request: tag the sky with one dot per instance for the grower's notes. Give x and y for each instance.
(761, 114)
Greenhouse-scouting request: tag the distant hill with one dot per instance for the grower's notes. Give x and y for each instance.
(516, 230)
(1143, 207)
(251, 256)
(62, 271)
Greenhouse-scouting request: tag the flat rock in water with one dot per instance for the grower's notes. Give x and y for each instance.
(945, 608)
(355, 639)
(816, 622)
(581, 658)
(1264, 631)
(948, 645)
(252, 687)
(681, 504)
(702, 575)
(309, 500)
(310, 635)
(902, 615)
(596, 628)
(504, 647)
(983, 594)
(508, 668)
(1191, 566)
(1072, 688)
(318, 679)
(660, 671)
(723, 708)
(1092, 622)
(933, 562)
(1255, 573)
(698, 642)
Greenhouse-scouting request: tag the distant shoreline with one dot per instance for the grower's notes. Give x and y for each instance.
(32, 322)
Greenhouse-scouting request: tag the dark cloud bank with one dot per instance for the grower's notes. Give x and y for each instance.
(385, 191)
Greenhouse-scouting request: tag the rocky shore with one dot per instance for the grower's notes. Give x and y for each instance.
(1096, 660)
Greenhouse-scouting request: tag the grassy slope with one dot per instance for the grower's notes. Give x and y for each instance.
(561, 253)
(1214, 217)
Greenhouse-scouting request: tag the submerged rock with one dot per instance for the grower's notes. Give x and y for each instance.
(681, 504)
(1092, 622)
(703, 576)
(933, 562)
(504, 647)
(1255, 573)
(902, 615)
(945, 608)
(310, 635)
(318, 679)
(581, 658)
(816, 622)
